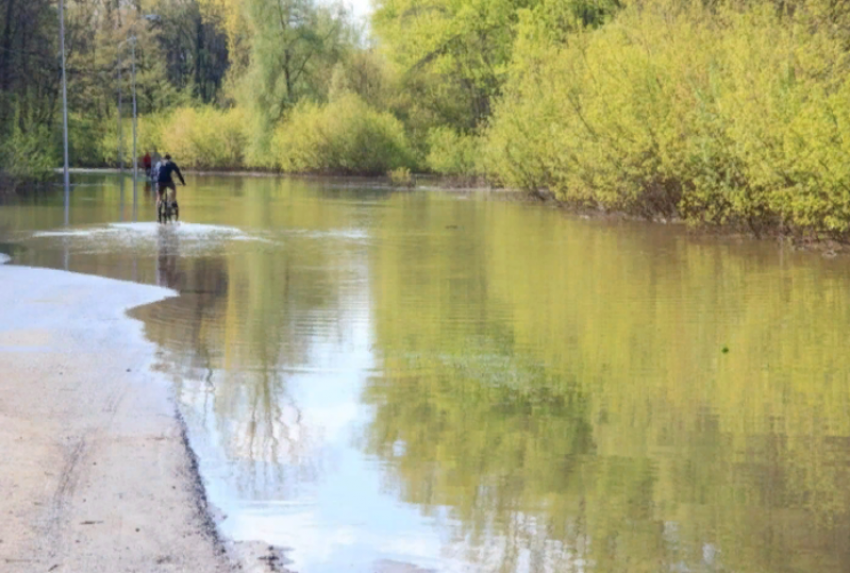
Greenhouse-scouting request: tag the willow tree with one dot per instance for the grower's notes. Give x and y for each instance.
(294, 45)
(463, 43)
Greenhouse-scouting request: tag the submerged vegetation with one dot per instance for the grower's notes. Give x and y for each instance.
(720, 112)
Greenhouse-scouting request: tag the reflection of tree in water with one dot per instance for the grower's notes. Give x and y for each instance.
(262, 425)
(522, 468)
(232, 337)
(492, 442)
(263, 432)
(701, 461)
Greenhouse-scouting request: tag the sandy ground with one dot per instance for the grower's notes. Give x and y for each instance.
(94, 473)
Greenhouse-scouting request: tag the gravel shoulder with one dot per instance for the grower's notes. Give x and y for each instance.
(95, 475)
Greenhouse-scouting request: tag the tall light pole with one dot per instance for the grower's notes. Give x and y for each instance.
(120, 140)
(66, 177)
(135, 157)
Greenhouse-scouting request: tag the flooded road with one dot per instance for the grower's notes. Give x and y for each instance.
(413, 381)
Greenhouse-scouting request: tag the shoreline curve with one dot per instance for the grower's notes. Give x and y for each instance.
(97, 473)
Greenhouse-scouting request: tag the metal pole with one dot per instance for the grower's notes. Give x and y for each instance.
(67, 179)
(135, 159)
(120, 139)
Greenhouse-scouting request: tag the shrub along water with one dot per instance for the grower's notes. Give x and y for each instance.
(716, 115)
(26, 156)
(345, 136)
(204, 138)
(451, 153)
(148, 136)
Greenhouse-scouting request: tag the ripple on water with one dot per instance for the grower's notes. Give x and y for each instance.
(149, 229)
(348, 234)
(146, 234)
(187, 230)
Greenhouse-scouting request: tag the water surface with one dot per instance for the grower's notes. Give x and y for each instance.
(414, 381)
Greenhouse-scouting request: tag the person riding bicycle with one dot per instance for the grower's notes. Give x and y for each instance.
(165, 182)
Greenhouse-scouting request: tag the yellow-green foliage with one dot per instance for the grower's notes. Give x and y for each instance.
(717, 115)
(205, 138)
(148, 134)
(451, 153)
(27, 156)
(345, 136)
(402, 177)
(85, 136)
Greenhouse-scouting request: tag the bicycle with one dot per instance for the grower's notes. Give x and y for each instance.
(168, 208)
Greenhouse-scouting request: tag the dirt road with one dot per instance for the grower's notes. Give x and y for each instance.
(94, 472)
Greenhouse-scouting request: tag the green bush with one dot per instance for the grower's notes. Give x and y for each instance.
(204, 138)
(84, 141)
(401, 177)
(345, 136)
(720, 115)
(148, 136)
(451, 153)
(28, 156)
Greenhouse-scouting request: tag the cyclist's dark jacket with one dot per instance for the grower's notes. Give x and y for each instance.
(166, 170)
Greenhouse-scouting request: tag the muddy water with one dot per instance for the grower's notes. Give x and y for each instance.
(386, 381)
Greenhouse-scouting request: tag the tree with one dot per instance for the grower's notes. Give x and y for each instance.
(29, 78)
(294, 45)
(194, 44)
(465, 43)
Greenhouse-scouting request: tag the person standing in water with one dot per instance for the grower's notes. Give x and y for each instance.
(166, 182)
(146, 161)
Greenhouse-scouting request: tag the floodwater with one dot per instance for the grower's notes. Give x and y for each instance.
(425, 381)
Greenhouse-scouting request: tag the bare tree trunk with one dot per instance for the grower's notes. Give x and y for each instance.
(288, 73)
(5, 62)
(6, 45)
(199, 50)
(24, 101)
